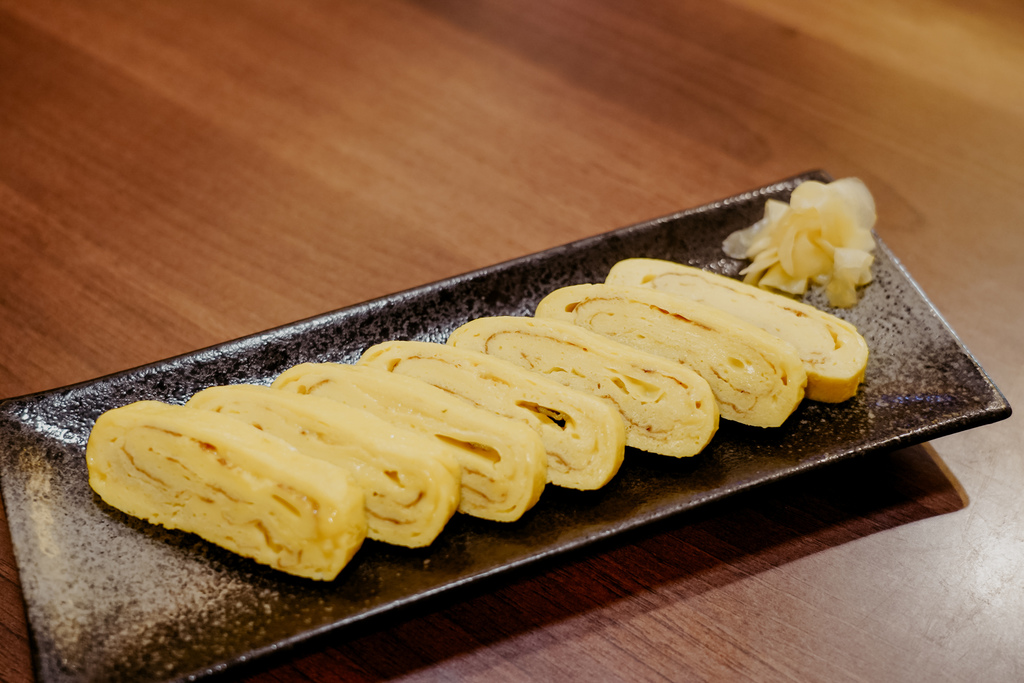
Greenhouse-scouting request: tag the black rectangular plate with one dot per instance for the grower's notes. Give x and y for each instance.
(113, 598)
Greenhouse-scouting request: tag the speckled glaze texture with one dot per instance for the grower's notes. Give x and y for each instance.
(111, 598)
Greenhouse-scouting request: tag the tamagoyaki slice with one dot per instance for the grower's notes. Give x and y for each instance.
(667, 408)
(833, 352)
(226, 481)
(584, 436)
(411, 482)
(504, 465)
(757, 378)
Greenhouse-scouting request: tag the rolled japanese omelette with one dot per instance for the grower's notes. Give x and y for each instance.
(667, 408)
(411, 483)
(757, 378)
(833, 352)
(504, 464)
(583, 435)
(230, 483)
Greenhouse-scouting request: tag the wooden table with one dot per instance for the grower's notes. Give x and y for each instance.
(173, 175)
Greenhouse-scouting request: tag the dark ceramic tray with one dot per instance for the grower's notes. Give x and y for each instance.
(112, 598)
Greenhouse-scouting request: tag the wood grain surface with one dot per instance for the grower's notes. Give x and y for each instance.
(173, 175)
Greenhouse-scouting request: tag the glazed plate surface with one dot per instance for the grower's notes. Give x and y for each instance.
(112, 598)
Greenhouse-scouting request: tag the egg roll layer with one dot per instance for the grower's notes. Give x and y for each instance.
(757, 379)
(834, 354)
(411, 483)
(230, 483)
(666, 408)
(583, 435)
(504, 465)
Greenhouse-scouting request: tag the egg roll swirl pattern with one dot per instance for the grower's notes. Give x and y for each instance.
(228, 482)
(757, 379)
(833, 352)
(666, 408)
(504, 465)
(583, 435)
(411, 483)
